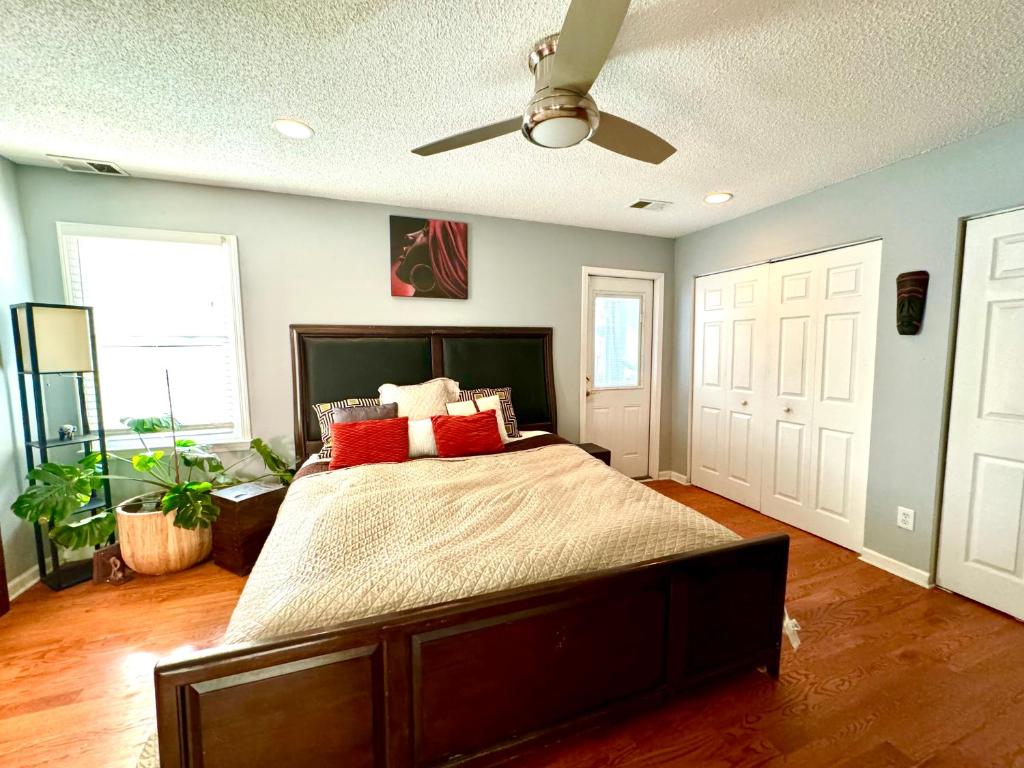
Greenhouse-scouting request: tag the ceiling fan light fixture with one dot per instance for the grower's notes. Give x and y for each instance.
(292, 128)
(717, 198)
(560, 132)
(560, 120)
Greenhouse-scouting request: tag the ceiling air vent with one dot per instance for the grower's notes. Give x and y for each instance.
(82, 165)
(650, 205)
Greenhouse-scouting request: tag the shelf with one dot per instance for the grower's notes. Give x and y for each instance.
(74, 572)
(54, 373)
(56, 442)
(94, 504)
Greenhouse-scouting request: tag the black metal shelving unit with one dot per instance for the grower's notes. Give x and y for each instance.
(52, 571)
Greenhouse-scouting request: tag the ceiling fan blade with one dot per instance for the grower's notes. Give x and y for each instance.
(631, 140)
(475, 136)
(586, 39)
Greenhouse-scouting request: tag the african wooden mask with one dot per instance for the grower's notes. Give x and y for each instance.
(911, 291)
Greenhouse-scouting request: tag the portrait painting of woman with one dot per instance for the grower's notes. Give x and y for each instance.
(429, 258)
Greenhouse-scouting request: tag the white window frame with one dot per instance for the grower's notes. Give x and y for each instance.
(240, 438)
(641, 359)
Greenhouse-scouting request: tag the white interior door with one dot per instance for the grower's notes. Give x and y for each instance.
(823, 312)
(728, 383)
(981, 544)
(620, 330)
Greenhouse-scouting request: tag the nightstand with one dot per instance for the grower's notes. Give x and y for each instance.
(597, 451)
(247, 513)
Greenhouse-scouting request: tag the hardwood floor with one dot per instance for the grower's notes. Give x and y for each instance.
(888, 674)
(76, 666)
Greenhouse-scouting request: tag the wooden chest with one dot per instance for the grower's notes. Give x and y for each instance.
(247, 513)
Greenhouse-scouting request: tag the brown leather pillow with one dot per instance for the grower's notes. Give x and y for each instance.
(364, 413)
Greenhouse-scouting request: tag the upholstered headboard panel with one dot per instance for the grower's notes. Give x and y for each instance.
(503, 362)
(333, 362)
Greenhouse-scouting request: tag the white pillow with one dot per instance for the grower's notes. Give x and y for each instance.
(481, 404)
(420, 401)
(421, 439)
(461, 408)
(493, 403)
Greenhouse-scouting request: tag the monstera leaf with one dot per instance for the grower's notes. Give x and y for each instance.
(147, 425)
(275, 464)
(87, 532)
(193, 508)
(145, 462)
(199, 456)
(59, 490)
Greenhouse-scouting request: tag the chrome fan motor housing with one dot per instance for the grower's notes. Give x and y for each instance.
(555, 117)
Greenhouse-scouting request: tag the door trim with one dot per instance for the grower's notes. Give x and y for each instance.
(787, 257)
(657, 337)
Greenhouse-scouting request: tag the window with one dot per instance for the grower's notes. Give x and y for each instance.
(617, 341)
(166, 307)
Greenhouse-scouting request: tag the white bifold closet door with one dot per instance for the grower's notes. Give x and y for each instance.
(790, 439)
(728, 382)
(823, 312)
(981, 541)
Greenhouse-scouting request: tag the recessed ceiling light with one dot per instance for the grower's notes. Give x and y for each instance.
(292, 128)
(717, 198)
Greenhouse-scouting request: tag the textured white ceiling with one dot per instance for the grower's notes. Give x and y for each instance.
(767, 99)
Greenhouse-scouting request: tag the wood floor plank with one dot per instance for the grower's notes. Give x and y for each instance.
(889, 675)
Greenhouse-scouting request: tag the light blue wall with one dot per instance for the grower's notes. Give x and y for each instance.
(15, 287)
(915, 206)
(313, 260)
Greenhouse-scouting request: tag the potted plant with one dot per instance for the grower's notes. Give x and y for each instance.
(161, 531)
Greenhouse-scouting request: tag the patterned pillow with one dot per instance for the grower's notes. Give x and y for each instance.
(421, 401)
(504, 394)
(325, 418)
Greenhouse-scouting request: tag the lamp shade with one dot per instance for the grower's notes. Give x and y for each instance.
(60, 335)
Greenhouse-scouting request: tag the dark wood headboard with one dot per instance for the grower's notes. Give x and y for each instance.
(334, 362)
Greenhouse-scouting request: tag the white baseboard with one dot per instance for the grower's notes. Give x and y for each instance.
(21, 582)
(895, 567)
(667, 474)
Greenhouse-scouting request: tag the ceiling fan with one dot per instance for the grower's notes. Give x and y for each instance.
(562, 112)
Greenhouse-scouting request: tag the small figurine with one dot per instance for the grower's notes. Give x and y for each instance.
(108, 567)
(67, 432)
(118, 574)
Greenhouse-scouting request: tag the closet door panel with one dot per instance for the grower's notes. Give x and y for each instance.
(845, 350)
(788, 404)
(728, 383)
(824, 311)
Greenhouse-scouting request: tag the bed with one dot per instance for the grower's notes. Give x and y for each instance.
(455, 612)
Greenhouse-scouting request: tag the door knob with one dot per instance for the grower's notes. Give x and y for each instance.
(743, 402)
(786, 409)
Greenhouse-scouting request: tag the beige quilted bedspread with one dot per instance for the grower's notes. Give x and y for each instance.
(381, 538)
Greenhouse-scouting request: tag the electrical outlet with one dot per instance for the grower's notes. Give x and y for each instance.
(905, 518)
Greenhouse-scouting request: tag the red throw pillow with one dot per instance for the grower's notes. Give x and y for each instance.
(466, 435)
(370, 442)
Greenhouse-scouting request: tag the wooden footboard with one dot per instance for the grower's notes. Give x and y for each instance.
(475, 680)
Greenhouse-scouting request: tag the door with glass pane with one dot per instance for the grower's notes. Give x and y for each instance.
(618, 413)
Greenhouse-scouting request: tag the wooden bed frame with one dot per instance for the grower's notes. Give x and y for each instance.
(477, 680)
